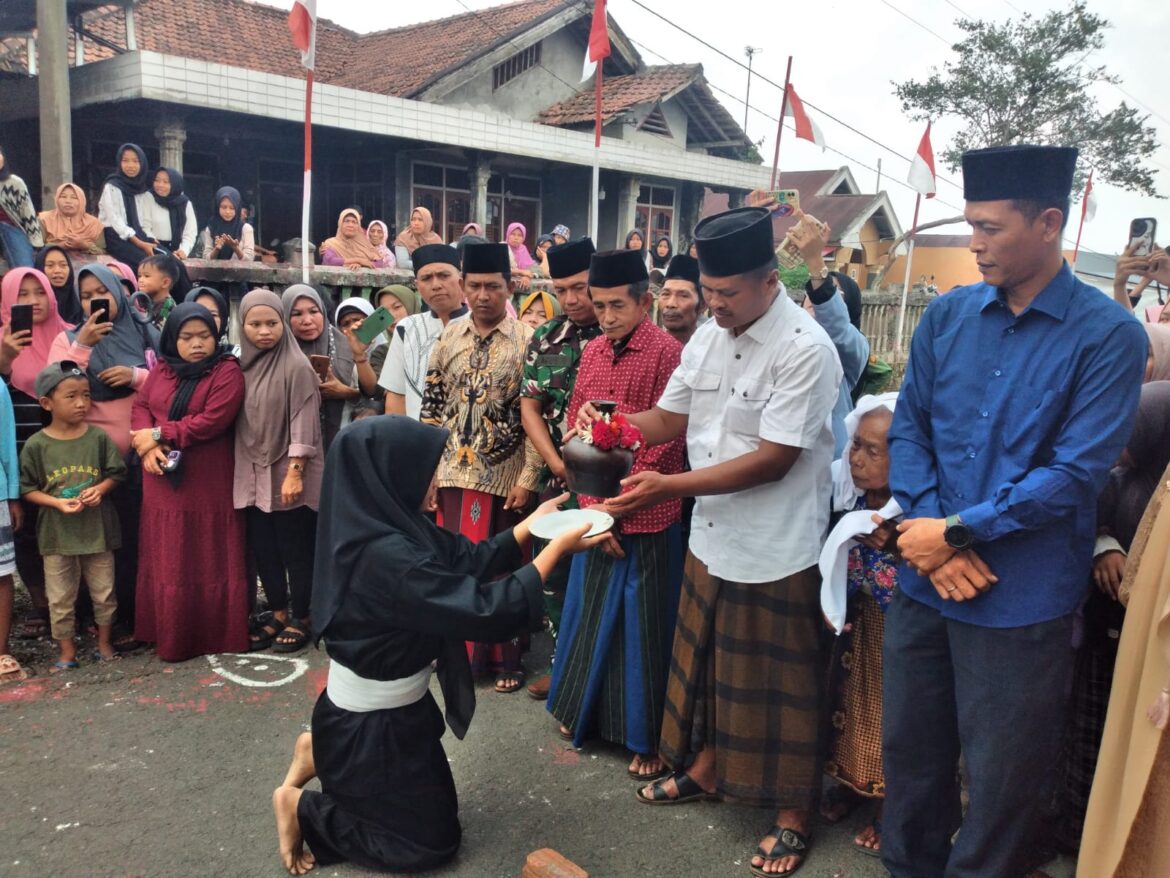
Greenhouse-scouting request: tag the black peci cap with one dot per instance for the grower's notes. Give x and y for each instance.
(570, 258)
(428, 253)
(685, 268)
(1027, 171)
(486, 259)
(735, 242)
(617, 268)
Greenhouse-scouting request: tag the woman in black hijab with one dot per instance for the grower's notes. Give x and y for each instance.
(121, 204)
(394, 594)
(215, 302)
(56, 265)
(172, 218)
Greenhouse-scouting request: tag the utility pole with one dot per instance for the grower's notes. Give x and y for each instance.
(750, 51)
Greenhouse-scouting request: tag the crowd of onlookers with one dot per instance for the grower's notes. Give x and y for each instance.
(170, 461)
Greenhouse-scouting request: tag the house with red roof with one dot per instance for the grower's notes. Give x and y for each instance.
(479, 117)
(862, 226)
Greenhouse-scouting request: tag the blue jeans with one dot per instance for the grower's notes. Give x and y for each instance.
(998, 695)
(18, 250)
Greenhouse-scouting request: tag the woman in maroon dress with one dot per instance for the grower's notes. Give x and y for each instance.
(192, 584)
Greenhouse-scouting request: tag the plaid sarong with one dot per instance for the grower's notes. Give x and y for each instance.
(745, 678)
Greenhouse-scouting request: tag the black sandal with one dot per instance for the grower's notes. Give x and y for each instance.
(298, 634)
(263, 631)
(789, 843)
(688, 791)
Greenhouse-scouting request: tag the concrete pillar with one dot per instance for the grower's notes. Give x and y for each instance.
(56, 125)
(627, 216)
(131, 32)
(78, 43)
(480, 171)
(171, 135)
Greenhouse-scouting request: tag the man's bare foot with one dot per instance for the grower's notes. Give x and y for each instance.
(646, 766)
(293, 855)
(302, 770)
(782, 865)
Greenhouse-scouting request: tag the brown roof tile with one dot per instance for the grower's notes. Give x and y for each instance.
(619, 93)
(395, 62)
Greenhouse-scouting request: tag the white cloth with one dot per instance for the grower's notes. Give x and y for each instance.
(834, 561)
(359, 695)
(1106, 543)
(776, 381)
(405, 369)
(156, 222)
(845, 493)
(112, 211)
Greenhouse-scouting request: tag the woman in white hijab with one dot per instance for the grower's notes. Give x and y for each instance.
(859, 567)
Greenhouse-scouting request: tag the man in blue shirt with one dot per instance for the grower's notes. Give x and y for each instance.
(1019, 396)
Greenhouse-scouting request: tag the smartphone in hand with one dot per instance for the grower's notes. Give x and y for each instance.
(99, 309)
(22, 318)
(1141, 235)
(787, 202)
(374, 325)
(321, 364)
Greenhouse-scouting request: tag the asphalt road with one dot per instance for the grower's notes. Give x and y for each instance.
(147, 769)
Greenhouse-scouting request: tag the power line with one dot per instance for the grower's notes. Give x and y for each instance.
(914, 20)
(846, 156)
(776, 85)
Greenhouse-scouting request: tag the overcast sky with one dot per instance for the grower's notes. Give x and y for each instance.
(846, 52)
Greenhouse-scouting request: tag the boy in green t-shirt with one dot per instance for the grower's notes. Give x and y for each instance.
(66, 469)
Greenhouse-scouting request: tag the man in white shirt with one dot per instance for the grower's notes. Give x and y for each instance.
(754, 393)
(404, 374)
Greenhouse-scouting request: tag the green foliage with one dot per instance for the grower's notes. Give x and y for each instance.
(794, 278)
(1026, 81)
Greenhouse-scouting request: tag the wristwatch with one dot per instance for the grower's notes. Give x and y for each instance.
(957, 534)
(823, 274)
(156, 435)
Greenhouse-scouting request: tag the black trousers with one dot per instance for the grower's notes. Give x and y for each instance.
(998, 695)
(282, 546)
(127, 500)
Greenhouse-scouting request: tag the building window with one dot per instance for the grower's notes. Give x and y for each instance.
(513, 199)
(445, 192)
(355, 184)
(655, 213)
(506, 71)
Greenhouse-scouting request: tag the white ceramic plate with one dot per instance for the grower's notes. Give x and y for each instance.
(552, 526)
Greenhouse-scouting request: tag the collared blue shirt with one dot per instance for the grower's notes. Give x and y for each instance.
(1012, 422)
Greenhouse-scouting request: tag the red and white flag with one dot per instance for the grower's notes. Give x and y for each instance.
(1089, 202)
(302, 23)
(599, 48)
(805, 127)
(922, 176)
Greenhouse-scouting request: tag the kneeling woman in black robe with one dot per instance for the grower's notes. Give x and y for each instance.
(393, 597)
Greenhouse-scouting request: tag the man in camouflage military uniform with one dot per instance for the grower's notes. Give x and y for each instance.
(549, 372)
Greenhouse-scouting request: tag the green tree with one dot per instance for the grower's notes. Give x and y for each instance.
(794, 278)
(1027, 81)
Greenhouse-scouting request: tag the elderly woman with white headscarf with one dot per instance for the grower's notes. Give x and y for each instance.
(860, 575)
